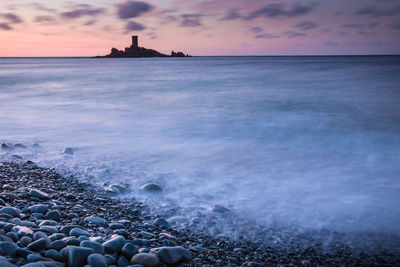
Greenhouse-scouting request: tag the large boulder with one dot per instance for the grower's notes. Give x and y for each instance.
(115, 244)
(77, 256)
(173, 255)
(146, 260)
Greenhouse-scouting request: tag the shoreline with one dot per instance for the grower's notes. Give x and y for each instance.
(71, 202)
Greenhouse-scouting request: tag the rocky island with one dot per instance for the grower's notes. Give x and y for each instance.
(135, 51)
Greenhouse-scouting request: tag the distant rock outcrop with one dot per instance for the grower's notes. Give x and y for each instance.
(135, 51)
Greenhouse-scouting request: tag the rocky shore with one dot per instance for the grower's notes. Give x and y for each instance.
(47, 219)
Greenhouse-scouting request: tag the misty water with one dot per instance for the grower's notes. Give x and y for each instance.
(302, 143)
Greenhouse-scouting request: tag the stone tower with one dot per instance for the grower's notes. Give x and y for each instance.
(135, 43)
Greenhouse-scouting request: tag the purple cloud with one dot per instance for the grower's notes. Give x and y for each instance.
(232, 14)
(256, 29)
(81, 11)
(44, 19)
(191, 20)
(292, 34)
(134, 26)
(5, 27)
(12, 18)
(306, 25)
(376, 12)
(281, 10)
(266, 36)
(133, 9)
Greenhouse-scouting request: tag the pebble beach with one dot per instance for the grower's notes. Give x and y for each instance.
(47, 219)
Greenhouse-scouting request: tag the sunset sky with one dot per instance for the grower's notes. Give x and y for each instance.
(200, 27)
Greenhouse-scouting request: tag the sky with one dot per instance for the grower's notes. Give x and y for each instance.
(41, 28)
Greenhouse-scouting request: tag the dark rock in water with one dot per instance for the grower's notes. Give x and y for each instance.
(9, 248)
(129, 250)
(36, 145)
(161, 222)
(220, 209)
(97, 260)
(15, 156)
(68, 151)
(97, 247)
(77, 256)
(135, 51)
(20, 146)
(150, 187)
(173, 255)
(8, 147)
(11, 211)
(39, 194)
(30, 163)
(145, 259)
(115, 244)
(115, 189)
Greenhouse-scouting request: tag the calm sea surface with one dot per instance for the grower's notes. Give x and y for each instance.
(307, 142)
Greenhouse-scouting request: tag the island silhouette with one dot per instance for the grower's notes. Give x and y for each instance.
(135, 51)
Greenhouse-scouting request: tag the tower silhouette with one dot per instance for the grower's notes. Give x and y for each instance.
(135, 43)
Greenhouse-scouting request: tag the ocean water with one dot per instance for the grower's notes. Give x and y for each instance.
(299, 142)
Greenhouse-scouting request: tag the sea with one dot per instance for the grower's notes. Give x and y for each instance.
(297, 144)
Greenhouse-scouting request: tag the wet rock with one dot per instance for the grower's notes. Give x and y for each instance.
(115, 189)
(9, 248)
(97, 247)
(58, 244)
(38, 194)
(173, 255)
(7, 147)
(54, 255)
(220, 209)
(78, 232)
(129, 250)
(39, 244)
(95, 220)
(151, 187)
(26, 240)
(116, 226)
(39, 208)
(160, 222)
(54, 215)
(16, 157)
(145, 259)
(11, 211)
(97, 260)
(68, 151)
(77, 256)
(23, 231)
(2, 203)
(122, 261)
(115, 244)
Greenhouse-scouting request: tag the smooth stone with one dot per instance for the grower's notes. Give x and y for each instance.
(72, 215)
(34, 264)
(97, 247)
(177, 220)
(36, 257)
(58, 244)
(145, 259)
(38, 194)
(19, 145)
(115, 189)
(173, 255)
(13, 236)
(38, 235)
(110, 259)
(54, 215)
(6, 216)
(150, 187)
(67, 228)
(72, 241)
(77, 256)
(15, 156)
(56, 236)
(49, 263)
(6, 238)
(78, 232)
(116, 226)
(39, 244)
(68, 151)
(2, 203)
(23, 252)
(114, 244)
(11, 211)
(97, 260)
(160, 222)
(26, 240)
(48, 223)
(38, 208)
(5, 263)
(9, 248)
(141, 242)
(122, 232)
(129, 250)
(122, 261)
(5, 146)
(48, 229)
(83, 238)
(169, 237)
(54, 255)
(95, 220)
